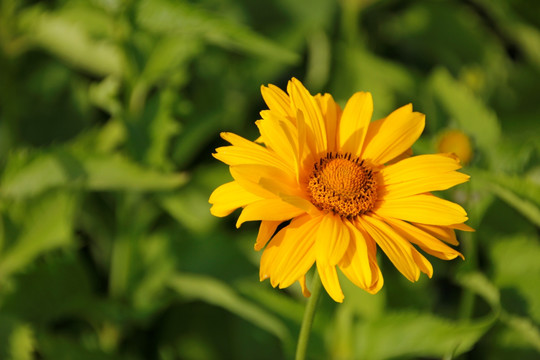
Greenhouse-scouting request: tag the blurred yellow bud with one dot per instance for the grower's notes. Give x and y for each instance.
(455, 141)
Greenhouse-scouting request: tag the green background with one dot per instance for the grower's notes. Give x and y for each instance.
(110, 111)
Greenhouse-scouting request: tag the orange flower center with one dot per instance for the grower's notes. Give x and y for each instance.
(343, 185)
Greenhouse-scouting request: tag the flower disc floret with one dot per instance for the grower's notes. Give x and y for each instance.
(343, 185)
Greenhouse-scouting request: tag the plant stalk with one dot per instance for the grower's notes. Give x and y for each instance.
(309, 315)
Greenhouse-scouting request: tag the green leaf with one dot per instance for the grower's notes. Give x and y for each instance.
(162, 128)
(17, 341)
(66, 348)
(516, 267)
(276, 301)
(524, 186)
(171, 53)
(195, 136)
(417, 334)
(190, 207)
(60, 282)
(68, 40)
(105, 95)
(529, 37)
(520, 192)
(380, 76)
(46, 224)
(2, 231)
(155, 266)
(525, 328)
(215, 292)
(479, 284)
(516, 270)
(183, 18)
(119, 173)
(80, 170)
(361, 302)
(514, 153)
(526, 207)
(470, 113)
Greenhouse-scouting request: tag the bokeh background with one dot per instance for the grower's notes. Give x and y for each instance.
(110, 111)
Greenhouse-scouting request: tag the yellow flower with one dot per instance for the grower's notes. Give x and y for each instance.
(340, 185)
(455, 141)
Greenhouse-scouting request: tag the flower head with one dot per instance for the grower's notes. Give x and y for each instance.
(342, 186)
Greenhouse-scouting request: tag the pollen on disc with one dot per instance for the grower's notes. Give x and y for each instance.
(343, 185)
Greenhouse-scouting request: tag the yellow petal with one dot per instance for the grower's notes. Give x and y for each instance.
(354, 122)
(356, 263)
(424, 165)
(266, 230)
(421, 174)
(277, 100)
(303, 101)
(330, 281)
(399, 251)
(388, 138)
(377, 280)
(252, 177)
(332, 240)
(290, 254)
(301, 260)
(268, 209)
(331, 113)
(418, 185)
(424, 240)
(423, 263)
(306, 144)
(229, 197)
(422, 208)
(245, 152)
(269, 182)
(282, 137)
(305, 290)
(406, 154)
(462, 227)
(301, 203)
(275, 139)
(443, 233)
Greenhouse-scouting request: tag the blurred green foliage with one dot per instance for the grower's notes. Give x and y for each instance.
(109, 113)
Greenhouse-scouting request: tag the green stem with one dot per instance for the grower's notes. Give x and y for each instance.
(309, 314)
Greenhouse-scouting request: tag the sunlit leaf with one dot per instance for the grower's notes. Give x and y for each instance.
(105, 95)
(479, 284)
(516, 272)
(190, 207)
(155, 266)
(213, 291)
(417, 334)
(62, 167)
(471, 114)
(275, 301)
(365, 71)
(163, 127)
(17, 339)
(180, 17)
(69, 41)
(47, 224)
(525, 328)
(170, 54)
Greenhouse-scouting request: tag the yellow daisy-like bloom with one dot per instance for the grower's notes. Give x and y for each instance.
(346, 185)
